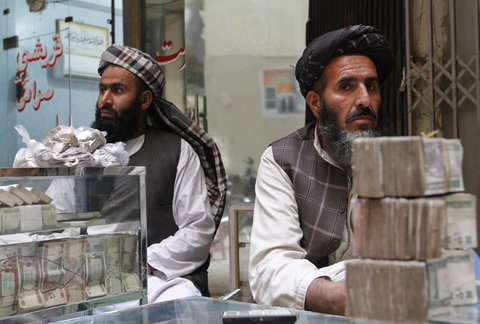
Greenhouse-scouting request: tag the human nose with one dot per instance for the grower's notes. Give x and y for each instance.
(363, 98)
(105, 98)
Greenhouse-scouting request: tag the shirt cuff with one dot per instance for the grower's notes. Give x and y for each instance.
(334, 272)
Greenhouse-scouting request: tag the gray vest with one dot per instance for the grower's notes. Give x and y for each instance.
(321, 193)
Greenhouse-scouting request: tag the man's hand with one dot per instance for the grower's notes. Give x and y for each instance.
(325, 296)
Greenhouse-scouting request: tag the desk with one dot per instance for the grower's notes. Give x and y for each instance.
(203, 310)
(191, 310)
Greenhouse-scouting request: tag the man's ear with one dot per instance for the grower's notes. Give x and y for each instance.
(313, 102)
(146, 98)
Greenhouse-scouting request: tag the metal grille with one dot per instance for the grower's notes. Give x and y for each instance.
(443, 77)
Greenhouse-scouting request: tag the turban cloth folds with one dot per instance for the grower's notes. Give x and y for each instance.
(358, 39)
(165, 113)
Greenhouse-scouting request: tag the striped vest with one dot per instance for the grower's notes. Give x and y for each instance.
(321, 193)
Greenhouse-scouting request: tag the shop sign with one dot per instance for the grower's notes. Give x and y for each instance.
(29, 91)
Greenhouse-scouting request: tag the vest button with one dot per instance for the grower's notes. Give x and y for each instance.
(335, 243)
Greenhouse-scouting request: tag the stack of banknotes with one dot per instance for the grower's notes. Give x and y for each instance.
(45, 274)
(25, 209)
(413, 227)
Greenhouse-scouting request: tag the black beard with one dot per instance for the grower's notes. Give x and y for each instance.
(122, 127)
(339, 141)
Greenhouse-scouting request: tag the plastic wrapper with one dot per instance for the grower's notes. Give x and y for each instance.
(61, 138)
(111, 154)
(67, 146)
(90, 138)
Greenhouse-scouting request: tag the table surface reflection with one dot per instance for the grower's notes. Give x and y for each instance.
(208, 310)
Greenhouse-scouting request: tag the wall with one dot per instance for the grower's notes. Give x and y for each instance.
(241, 39)
(74, 98)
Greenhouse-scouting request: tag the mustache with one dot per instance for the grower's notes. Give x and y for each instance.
(107, 108)
(363, 111)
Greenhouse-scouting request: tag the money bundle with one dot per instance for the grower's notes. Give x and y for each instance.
(399, 228)
(9, 284)
(25, 210)
(52, 273)
(113, 273)
(408, 166)
(130, 279)
(30, 276)
(461, 221)
(95, 267)
(414, 264)
(74, 267)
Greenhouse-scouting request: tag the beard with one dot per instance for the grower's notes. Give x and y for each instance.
(122, 126)
(339, 141)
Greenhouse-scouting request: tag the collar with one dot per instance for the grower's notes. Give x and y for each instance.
(323, 154)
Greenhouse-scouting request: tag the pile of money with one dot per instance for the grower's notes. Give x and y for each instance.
(74, 267)
(412, 227)
(25, 210)
(399, 228)
(408, 166)
(130, 279)
(51, 273)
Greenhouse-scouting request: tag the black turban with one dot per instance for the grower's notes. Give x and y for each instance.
(358, 39)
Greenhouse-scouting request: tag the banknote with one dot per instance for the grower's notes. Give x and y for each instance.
(387, 290)
(9, 282)
(29, 269)
(52, 265)
(439, 299)
(461, 220)
(30, 301)
(435, 166)
(113, 280)
(10, 219)
(95, 290)
(455, 159)
(49, 216)
(55, 297)
(131, 282)
(461, 276)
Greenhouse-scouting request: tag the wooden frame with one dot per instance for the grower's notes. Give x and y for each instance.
(234, 210)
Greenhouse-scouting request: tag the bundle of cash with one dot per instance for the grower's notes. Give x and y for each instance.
(30, 276)
(461, 276)
(406, 166)
(10, 220)
(396, 291)
(95, 267)
(52, 272)
(113, 275)
(74, 267)
(130, 279)
(9, 283)
(461, 221)
(399, 228)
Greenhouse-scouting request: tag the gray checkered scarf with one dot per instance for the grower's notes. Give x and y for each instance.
(358, 39)
(165, 113)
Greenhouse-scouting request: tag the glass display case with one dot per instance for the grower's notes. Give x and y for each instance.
(71, 239)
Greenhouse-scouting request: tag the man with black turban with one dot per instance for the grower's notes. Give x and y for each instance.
(301, 226)
(185, 182)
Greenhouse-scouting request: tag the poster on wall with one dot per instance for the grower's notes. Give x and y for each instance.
(83, 46)
(280, 93)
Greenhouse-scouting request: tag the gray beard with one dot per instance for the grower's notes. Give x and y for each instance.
(339, 142)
